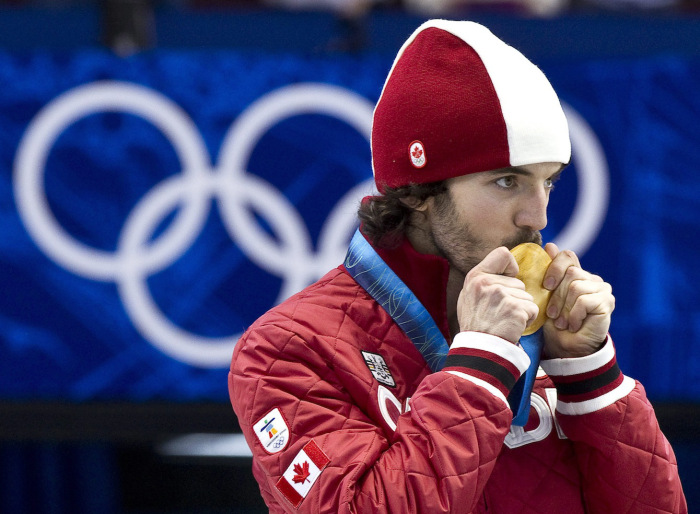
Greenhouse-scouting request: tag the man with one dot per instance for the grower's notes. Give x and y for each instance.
(390, 385)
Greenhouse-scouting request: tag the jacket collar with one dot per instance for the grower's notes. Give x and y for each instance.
(425, 275)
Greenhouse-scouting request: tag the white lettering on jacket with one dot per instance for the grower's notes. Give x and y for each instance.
(386, 400)
(517, 436)
(545, 410)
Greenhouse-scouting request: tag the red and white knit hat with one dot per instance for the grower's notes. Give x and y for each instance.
(458, 100)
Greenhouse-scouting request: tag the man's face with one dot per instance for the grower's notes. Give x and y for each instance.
(482, 211)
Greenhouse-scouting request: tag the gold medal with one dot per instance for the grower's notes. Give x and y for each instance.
(533, 262)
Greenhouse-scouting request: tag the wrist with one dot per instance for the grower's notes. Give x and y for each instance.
(590, 383)
(488, 361)
(576, 353)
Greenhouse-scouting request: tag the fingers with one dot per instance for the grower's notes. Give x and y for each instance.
(494, 301)
(498, 262)
(576, 282)
(577, 295)
(587, 307)
(561, 262)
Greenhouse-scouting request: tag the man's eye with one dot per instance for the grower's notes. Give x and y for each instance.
(506, 182)
(550, 183)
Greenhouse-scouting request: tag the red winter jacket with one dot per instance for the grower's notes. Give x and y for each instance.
(343, 415)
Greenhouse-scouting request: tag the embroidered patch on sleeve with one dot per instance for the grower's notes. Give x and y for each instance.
(379, 369)
(302, 473)
(272, 431)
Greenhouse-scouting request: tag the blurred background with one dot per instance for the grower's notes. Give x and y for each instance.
(169, 170)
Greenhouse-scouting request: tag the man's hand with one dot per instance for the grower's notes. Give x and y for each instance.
(579, 310)
(493, 301)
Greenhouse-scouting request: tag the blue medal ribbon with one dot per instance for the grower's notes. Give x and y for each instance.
(379, 280)
(375, 276)
(519, 397)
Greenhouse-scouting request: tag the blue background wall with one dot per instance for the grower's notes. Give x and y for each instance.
(100, 163)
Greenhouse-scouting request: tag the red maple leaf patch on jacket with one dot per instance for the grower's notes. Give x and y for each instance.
(417, 152)
(301, 473)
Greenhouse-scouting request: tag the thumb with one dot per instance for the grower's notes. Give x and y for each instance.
(499, 262)
(552, 250)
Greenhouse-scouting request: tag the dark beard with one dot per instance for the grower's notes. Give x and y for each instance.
(468, 244)
(526, 236)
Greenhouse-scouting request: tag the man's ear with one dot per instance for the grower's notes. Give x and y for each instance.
(415, 203)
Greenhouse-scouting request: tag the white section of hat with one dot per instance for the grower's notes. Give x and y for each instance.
(536, 124)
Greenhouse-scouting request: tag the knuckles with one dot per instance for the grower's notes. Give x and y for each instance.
(570, 255)
(578, 288)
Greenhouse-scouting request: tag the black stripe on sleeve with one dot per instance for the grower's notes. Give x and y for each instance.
(590, 384)
(484, 365)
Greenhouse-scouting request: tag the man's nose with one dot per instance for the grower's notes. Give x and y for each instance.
(532, 213)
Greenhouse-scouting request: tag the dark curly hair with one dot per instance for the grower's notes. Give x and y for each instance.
(384, 218)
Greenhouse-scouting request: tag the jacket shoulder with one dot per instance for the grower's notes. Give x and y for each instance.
(333, 307)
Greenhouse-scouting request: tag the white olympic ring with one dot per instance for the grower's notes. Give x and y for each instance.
(43, 131)
(591, 205)
(238, 194)
(136, 257)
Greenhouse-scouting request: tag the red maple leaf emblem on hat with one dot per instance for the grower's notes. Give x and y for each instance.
(417, 152)
(301, 473)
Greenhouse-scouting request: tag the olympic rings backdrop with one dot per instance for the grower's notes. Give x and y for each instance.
(152, 207)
